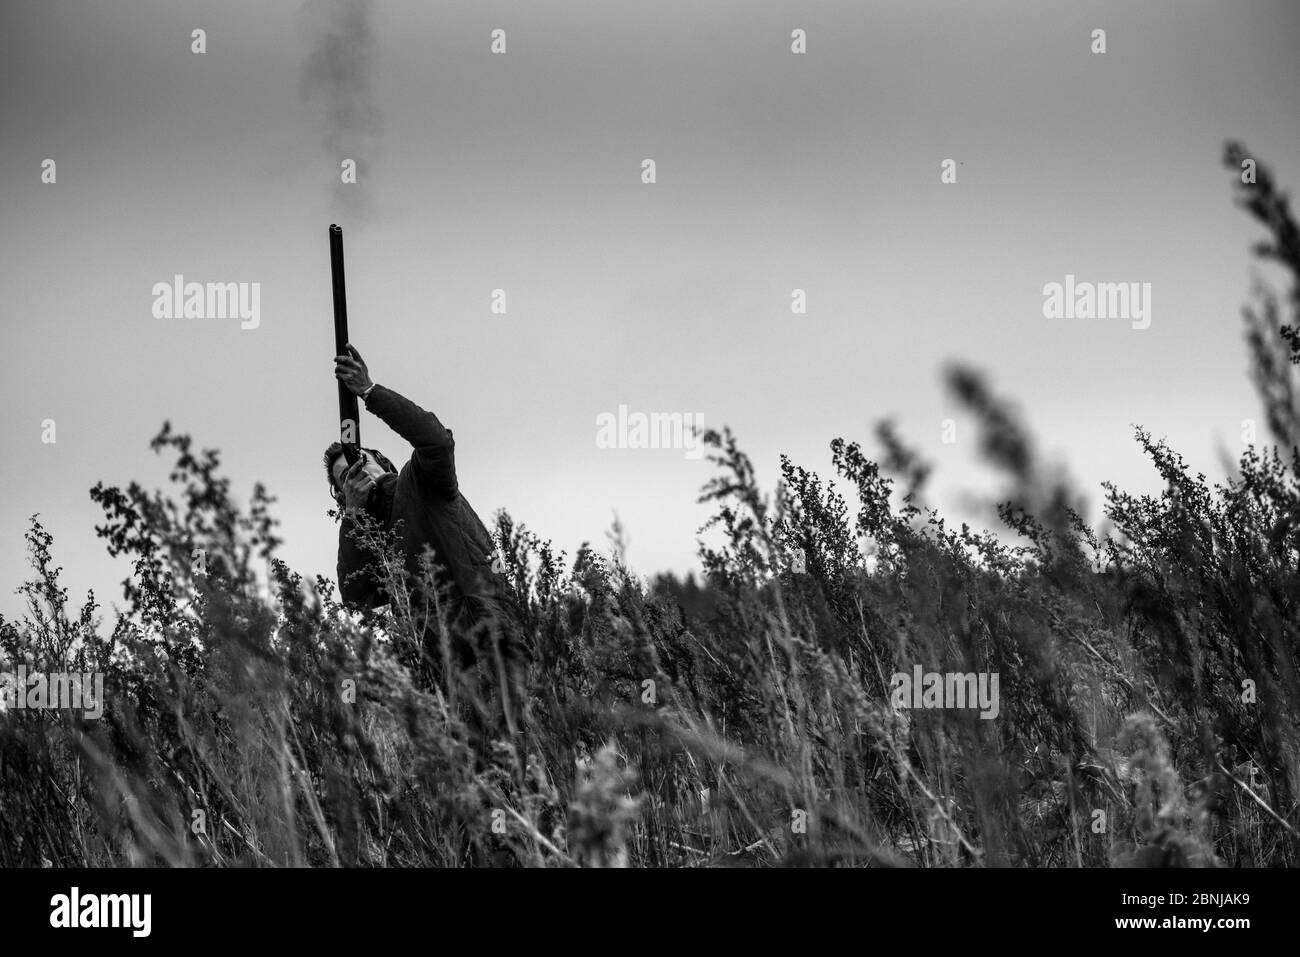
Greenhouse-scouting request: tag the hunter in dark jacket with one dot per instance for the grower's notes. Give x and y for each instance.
(424, 496)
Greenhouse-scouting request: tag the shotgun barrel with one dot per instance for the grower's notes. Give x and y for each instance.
(349, 414)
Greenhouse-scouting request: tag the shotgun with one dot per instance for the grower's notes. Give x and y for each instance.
(349, 414)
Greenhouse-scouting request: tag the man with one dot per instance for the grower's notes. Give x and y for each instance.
(424, 497)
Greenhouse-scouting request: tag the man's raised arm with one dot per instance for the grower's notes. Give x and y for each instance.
(434, 458)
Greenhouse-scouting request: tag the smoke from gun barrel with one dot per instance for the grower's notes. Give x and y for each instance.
(349, 414)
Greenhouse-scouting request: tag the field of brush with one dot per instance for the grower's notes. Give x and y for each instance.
(1148, 698)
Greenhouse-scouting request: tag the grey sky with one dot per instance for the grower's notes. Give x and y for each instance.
(522, 172)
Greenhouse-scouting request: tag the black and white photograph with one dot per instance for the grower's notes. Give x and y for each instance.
(845, 437)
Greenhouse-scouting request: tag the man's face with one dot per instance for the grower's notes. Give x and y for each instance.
(365, 464)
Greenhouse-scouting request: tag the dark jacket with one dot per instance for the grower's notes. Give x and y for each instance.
(426, 498)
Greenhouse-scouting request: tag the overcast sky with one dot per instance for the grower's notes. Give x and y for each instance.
(522, 172)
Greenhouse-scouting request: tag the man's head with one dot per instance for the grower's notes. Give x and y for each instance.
(372, 463)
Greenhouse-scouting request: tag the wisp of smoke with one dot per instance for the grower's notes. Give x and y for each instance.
(337, 73)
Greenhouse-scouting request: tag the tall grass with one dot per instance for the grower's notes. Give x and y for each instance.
(742, 720)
